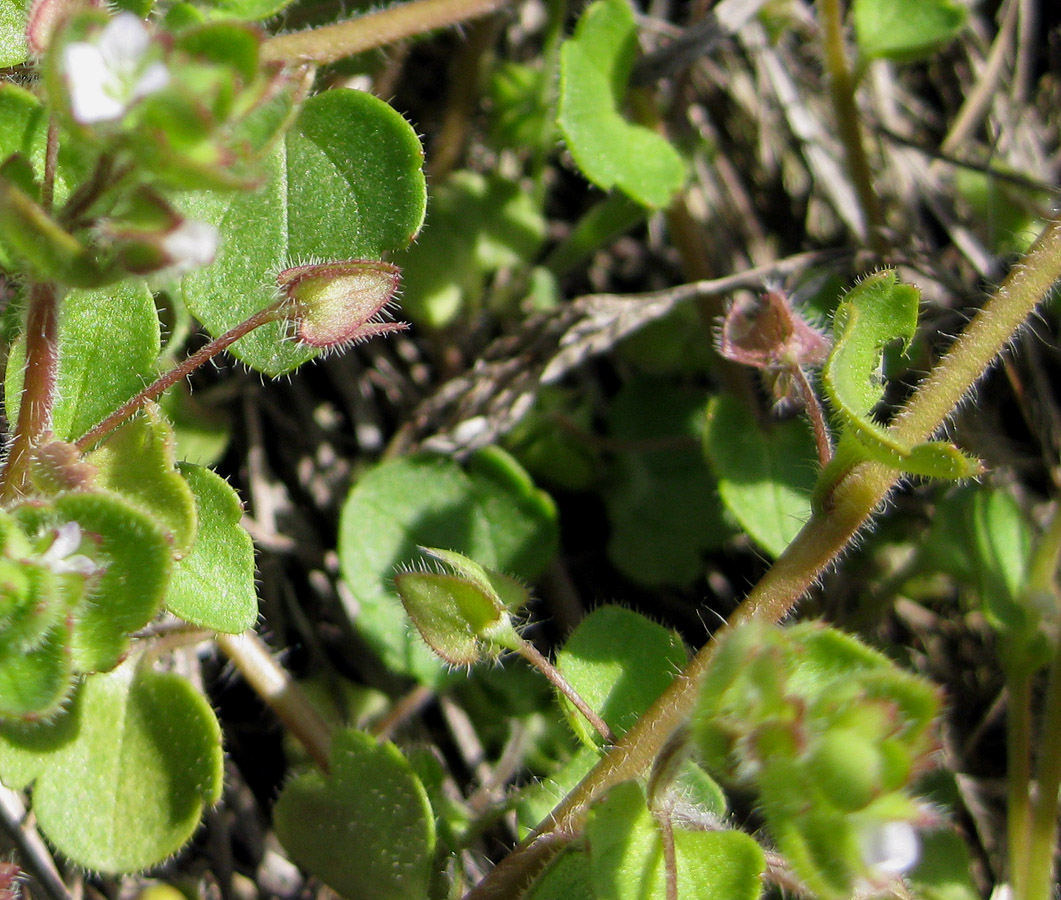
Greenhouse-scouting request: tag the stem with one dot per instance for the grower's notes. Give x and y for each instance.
(818, 544)
(330, 43)
(1039, 883)
(842, 94)
(1018, 780)
(165, 382)
(38, 390)
(51, 163)
(822, 438)
(530, 653)
(275, 686)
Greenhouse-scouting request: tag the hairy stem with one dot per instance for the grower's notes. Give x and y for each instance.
(530, 653)
(842, 94)
(330, 43)
(821, 541)
(160, 385)
(274, 685)
(38, 387)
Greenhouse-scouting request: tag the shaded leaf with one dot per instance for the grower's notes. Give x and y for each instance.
(490, 512)
(366, 829)
(765, 478)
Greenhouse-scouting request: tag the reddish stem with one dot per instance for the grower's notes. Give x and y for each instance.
(38, 391)
(170, 378)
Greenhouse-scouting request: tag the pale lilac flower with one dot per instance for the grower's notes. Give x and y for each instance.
(890, 848)
(190, 245)
(61, 557)
(107, 75)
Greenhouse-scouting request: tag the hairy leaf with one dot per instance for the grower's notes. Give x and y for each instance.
(365, 829)
(346, 183)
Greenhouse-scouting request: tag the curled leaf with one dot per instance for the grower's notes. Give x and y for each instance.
(875, 313)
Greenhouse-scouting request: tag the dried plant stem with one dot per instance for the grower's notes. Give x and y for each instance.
(822, 540)
(38, 391)
(331, 43)
(274, 685)
(164, 382)
(842, 94)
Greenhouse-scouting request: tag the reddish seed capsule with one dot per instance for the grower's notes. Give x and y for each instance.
(339, 303)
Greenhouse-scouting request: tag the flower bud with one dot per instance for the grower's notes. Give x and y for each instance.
(339, 303)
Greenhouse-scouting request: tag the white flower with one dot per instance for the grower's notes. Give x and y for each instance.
(108, 75)
(190, 245)
(61, 557)
(890, 848)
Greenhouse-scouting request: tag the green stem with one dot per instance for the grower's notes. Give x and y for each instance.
(531, 653)
(331, 43)
(817, 546)
(178, 373)
(38, 387)
(1018, 779)
(842, 94)
(1039, 882)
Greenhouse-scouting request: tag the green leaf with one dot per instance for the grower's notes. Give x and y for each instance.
(13, 50)
(34, 682)
(568, 878)
(137, 463)
(906, 30)
(110, 342)
(619, 662)
(345, 184)
(490, 512)
(626, 855)
(661, 499)
(366, 829)
(135, 560)
(213, 586)
(765, 478)
(128, 790)
(594, 67)
(476, 225)
(876, 312)
(243, 10)
(945, 869)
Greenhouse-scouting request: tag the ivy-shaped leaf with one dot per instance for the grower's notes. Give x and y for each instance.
(134, 557)
(365, 829)
(626, 855)
(490, 512)
(34, 682)
(123, 777)
(765, 478)
(110, 340)
(906, 30)
(137, 463)
(619, 662)
(213, 586)
(876, 312)
(13, 50)
(346, 183)
(595, 65)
